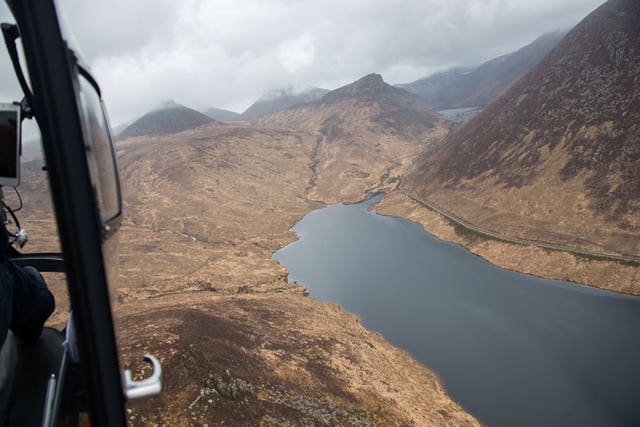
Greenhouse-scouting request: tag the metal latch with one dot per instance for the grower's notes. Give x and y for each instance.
(144, 389)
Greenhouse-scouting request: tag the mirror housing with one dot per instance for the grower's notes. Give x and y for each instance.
(10, 144)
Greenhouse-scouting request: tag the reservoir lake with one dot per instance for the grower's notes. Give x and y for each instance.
(512, 349)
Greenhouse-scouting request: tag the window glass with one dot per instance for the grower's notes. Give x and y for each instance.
(100, 154)
(104, 174)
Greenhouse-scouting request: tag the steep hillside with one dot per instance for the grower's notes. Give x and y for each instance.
(362, 131)
(558, 157)
(473, 87)
(280, 99)
(221, 115)
(169, 118)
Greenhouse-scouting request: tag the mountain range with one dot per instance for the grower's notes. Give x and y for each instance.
(477, 87)
(390, 107)
(457, 87)
(553, 127)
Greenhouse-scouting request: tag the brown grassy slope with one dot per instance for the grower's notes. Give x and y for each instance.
(193, 191)
(205, 210)
(558, 157)
(274, 359)
(361, 130)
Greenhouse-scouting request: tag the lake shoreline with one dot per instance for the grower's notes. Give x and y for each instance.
(538, 262)
(465, 318)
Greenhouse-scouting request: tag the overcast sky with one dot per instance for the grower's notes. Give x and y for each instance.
(219, 53)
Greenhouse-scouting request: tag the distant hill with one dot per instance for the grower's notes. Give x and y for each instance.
(221, 115)
(360, 130)
(558, 156)
(168, 118)
(370, 99)
(473, 87)
(281, 99)
(435, 87)
(398, 108)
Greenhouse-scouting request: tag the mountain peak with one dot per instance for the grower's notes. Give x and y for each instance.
(167, 118)
(369, 81)
(368, 85)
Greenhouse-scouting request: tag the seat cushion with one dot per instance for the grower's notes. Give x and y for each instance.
(36, 362)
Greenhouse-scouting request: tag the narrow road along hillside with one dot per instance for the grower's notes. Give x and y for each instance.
(558, 247)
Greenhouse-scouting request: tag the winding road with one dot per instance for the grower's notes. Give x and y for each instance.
(495, 235)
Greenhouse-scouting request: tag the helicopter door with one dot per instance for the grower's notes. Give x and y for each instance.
(66, 104)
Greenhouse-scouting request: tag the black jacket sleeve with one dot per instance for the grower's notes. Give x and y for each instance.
(25, 300)
(33, 303)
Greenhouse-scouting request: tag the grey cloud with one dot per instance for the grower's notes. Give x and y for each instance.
(121, 27)
(226, 53)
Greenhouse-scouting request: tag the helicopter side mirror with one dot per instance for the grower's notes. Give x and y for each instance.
(10, 139)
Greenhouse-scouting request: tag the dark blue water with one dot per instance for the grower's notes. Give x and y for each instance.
(512, 349)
